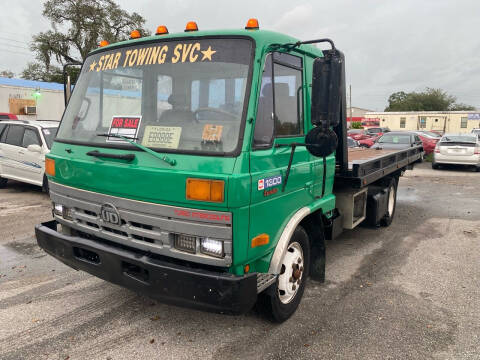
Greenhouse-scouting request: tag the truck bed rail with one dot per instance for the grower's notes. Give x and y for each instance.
(366, 166)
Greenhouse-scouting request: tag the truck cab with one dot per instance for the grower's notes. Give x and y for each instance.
(181, 169)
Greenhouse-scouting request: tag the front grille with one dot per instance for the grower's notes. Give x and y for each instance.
(149, 227)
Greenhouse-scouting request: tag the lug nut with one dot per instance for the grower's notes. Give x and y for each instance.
(299, 260)
(294, 287)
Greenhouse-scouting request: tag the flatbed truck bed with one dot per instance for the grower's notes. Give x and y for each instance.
(366, 166)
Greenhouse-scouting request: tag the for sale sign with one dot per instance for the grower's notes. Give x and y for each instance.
(126, 126)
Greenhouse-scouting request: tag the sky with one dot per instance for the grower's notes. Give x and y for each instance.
(389, 45)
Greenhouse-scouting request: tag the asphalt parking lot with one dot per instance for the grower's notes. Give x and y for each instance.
(410, 291)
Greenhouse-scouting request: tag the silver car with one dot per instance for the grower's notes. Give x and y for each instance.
(457, 149)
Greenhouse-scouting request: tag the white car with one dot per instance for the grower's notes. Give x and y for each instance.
(23, 145)
(457, 149)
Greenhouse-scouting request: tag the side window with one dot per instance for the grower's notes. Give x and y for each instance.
(288, 100)
(30, 137)
(417, 139)
(15, 135)
(262, 137)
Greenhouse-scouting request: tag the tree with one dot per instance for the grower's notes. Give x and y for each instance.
(7, 74)
(77, 28)
(428, 100)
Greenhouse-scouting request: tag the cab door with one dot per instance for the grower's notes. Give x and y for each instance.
(280, 123)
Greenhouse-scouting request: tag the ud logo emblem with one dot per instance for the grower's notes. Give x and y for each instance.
(110, 214)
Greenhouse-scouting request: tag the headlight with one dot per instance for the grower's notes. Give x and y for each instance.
(212, 247)
(62, 211)
(58, 209)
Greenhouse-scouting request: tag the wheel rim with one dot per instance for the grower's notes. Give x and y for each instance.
(291, 274)
(391, 200)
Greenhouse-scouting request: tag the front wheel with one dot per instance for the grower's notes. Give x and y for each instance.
(280, 301)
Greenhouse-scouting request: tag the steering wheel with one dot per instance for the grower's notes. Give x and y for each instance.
(215, 110)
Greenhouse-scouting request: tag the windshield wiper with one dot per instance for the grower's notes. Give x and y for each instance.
(129, 139)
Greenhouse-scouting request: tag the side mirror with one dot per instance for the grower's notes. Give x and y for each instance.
(328, 88)
(320, 142)
(34, 148)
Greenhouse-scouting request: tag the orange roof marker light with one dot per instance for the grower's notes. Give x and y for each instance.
(135, 34)
(191, 26)
(252, 24)
(103, 43)
(161, 30)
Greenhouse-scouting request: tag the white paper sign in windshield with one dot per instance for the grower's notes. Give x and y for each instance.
(167, 137)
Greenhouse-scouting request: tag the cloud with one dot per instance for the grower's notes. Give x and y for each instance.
(389, 45)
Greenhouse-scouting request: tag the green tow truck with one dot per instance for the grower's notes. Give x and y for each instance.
(208, 168)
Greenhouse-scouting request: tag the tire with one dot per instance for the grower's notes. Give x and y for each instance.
(392, 203)
(280, 301)
(45, 187)
(435, 166)
(3, 182)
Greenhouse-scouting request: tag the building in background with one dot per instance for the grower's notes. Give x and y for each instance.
(31, 100)
(440, 121)
(358, 115)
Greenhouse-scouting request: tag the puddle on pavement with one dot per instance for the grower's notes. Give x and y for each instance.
(8, 256)
(408, 194)
(13, 252)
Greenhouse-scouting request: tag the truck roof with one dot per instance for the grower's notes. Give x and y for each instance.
(262, 38)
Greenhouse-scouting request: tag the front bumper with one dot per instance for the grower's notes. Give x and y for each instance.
(169, 283)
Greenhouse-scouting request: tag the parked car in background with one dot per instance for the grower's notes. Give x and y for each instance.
(476, 132)
(377, 131)
(358, 134)
(368, 142)
(352, 143)
(7, 116)
(23, 145)
(457, 149)
(429, 140)
(397, 140)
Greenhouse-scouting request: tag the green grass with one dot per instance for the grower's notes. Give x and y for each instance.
(428, 158)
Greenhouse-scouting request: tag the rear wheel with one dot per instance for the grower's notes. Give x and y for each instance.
(3, 182)
(435, 166)
(392, 203)
(280, 301)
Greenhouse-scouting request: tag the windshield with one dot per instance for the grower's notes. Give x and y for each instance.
(459, 139)
(395, 139)
(184, 95)
(49, 135)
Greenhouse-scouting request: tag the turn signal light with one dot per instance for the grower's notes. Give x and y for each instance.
(50, 167)
(135, 34)
(161, 30)
(262, 239)
(104, 43)
(191, 26)
(205, 190)
(252, 24)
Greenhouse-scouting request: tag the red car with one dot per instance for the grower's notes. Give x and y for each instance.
(358, 134)
(7, 116)
(368, 141)
(429, 141)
